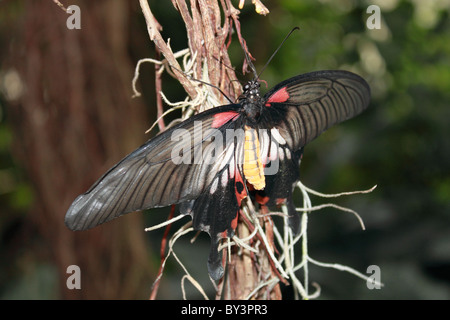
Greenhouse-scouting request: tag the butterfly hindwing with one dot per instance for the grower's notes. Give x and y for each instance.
(281, 174)
(215, 211)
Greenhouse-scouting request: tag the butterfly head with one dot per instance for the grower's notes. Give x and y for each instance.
(251, 90)
(251, 100)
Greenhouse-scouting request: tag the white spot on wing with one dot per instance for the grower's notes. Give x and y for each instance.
(277, 136)
(264, 145)
(214, 185)
(224, 178)
(228, 156)
(288, 153)
(280, 153)
(204, 228)
(231, 168)
(273, 151)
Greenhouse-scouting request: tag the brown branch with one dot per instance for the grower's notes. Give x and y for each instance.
(193, 41)
(155, 36)
(274, 268)
(158, 89)
(268, 226)
(59, 4)
(162, 254)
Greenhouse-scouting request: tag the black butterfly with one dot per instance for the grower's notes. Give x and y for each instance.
(211, 162)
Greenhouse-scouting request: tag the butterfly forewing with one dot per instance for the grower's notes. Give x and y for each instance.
(166, 170)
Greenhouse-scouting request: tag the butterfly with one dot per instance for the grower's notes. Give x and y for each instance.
(211, 162)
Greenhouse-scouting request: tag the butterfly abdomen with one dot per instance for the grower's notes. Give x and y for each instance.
(253, 166)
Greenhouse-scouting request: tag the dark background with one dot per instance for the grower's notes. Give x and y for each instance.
(66, 115)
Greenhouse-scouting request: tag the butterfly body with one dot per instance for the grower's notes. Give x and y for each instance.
(253, 166)
(211, 162)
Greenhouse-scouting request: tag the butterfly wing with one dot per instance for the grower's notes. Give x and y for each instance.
(298, 110)
(166, 170)
(215, 211)
(304, 106)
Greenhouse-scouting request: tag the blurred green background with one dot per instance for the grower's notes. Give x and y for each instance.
(401, 143)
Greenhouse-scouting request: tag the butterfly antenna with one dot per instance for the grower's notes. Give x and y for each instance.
(273, 55)
(201, 81)
(227, 66)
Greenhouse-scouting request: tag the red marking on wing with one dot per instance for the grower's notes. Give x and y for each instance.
(233, 226)
(279, 201)
(221, 118)
(261, 200)
(250, 187)
(234, 221)
(279, 96)
(239, 184)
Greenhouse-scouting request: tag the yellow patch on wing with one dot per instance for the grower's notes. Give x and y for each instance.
(253, 167)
